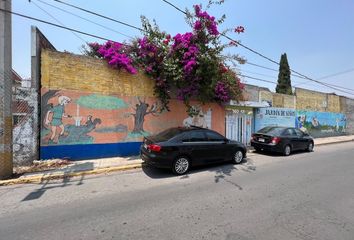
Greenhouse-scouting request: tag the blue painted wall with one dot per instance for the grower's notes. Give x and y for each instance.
(321, 124)
(90, 151)
(265, 117)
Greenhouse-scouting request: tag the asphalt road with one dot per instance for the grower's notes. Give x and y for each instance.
(305, 196)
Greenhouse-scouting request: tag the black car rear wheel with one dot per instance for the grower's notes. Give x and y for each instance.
(287, 150)
(181, 165)
(237, 157)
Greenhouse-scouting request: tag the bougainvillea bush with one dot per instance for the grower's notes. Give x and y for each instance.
(191, 63)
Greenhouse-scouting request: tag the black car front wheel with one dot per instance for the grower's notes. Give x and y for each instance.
(310, 147)
(237, 157)
(181, 165)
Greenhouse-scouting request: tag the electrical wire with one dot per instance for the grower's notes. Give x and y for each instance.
(86, 19)
(265, 57)
(100, 15)
(55, 25)
(55, 19)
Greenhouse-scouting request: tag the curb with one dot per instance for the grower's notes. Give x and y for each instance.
(43, 177)
(327, 143)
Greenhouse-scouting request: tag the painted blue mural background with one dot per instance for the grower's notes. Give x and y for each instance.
(265, 117)
(321, 124)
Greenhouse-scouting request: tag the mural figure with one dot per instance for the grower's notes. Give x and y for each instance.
(45, 106)
(141, 110)
(58, 113)
(79, 134)
(199, 118)
(315, 123)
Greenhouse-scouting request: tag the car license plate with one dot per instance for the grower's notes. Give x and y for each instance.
(261, 140)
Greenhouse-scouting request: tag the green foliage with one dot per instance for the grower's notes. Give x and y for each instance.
(284, 81)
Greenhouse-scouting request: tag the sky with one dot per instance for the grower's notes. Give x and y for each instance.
(316, 35)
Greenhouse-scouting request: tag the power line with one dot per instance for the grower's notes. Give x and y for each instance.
(55, 25)
(333, 75)
(258, 79)
(262, 55)
(88, 20)
(75, 34)
(100, 15)
(272, 69)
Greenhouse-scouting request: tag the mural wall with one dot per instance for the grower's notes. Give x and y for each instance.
(89, 110)
(265, 117)
(321, 124)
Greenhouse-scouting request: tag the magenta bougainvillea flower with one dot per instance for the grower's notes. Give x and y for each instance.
(191, 62)
(240, 29)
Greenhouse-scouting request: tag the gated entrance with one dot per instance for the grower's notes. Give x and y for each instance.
(239, 125)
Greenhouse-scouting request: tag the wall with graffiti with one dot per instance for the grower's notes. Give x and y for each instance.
(321, 124)
(89, 110)
(265, 117)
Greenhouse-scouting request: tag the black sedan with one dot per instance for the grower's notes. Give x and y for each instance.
(183, 147)
(281, 139)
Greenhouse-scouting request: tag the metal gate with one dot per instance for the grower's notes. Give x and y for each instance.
(239, 126)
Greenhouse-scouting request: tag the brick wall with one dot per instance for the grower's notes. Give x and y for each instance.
(317, 101)
(277, 99)
(75, 72)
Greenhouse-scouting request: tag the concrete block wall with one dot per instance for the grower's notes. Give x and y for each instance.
(278, 100)
(317, 101)
(348, 109)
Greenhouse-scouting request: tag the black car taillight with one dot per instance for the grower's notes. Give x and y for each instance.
(154, 147)
(253, 137)
(275, 140)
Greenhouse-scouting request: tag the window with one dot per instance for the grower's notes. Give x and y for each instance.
(195, 136)
(214, 137)
(272, 130)
(289, 132)
(298, 132)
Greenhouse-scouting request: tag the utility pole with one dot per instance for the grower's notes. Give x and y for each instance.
(6, 161)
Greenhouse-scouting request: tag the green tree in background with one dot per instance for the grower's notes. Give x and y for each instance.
(284, 81)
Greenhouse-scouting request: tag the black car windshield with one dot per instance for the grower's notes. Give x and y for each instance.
(167, 134)
(276, 131)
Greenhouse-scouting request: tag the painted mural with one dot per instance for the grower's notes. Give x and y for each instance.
(265, 117)
(77, 118)
(321, 124)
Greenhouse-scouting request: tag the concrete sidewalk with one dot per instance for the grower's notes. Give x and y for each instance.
(106, 165)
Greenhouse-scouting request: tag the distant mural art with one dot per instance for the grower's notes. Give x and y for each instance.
(321, 124)
(199, 118)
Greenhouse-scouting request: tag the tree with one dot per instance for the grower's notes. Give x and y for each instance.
(284, 81)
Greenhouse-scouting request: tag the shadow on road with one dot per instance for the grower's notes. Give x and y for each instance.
(66, 181)
(277, 154)
(221, 170)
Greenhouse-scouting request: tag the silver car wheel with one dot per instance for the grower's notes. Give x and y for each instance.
(238, 157)
(181, 166)
(310, 147)
(287, 150)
